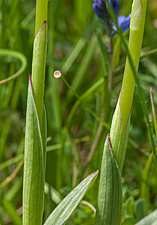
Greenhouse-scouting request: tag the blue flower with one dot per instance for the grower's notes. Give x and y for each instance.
(101, 10)
(123, 23)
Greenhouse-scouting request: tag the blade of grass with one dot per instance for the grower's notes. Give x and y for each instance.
(67, 143)
(10, 209)
(83, 96)
(87, 108)
(153, 111)
(18, 55)
(83, 67)
(76, 49)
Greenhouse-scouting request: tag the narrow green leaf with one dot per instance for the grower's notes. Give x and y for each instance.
(18, 55)
(11, 161)
(145, 186)
(143, 56)
(76, 82)
(85, 105)
(63, 211)
(105, 55)
(76, 49)
(82, 97)
(153, 111)
(151, 219)
(116, 53)
(10, 209)
(34, 165)
(109, 210)
(148, 53)
(67, 143)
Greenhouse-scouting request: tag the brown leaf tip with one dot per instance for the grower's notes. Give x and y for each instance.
(109, 140)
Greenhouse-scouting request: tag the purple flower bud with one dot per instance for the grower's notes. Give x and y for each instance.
(100, 9)
(115, 4)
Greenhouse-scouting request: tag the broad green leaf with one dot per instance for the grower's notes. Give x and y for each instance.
(63, 211)
(109, 210)
(151, 219)
(34, 164)
(140, 209)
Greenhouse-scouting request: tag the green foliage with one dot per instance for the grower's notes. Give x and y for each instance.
(109, 209)
(34, 163)
(79, 47)
(63, 211)
(150, 219)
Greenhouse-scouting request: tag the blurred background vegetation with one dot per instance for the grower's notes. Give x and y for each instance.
(74, 49)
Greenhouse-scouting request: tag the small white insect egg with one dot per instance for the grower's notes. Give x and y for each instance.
(57, 74)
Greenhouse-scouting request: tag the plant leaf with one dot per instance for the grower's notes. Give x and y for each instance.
(10, 209)
(63, 211)
(109, 210)
(116, 53)
(44, 133)
(153, 111)
(34, 164)
(151, 219)
(119, 135)
(105, 55)
(145, 188)
(140, 209)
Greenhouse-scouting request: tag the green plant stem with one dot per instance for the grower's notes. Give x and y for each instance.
(119, 130)
(111, 67)
(135, 44)
(140, 91)
(41, 14)
(39, 55)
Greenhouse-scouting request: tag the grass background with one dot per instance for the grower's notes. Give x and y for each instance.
(74, 49)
